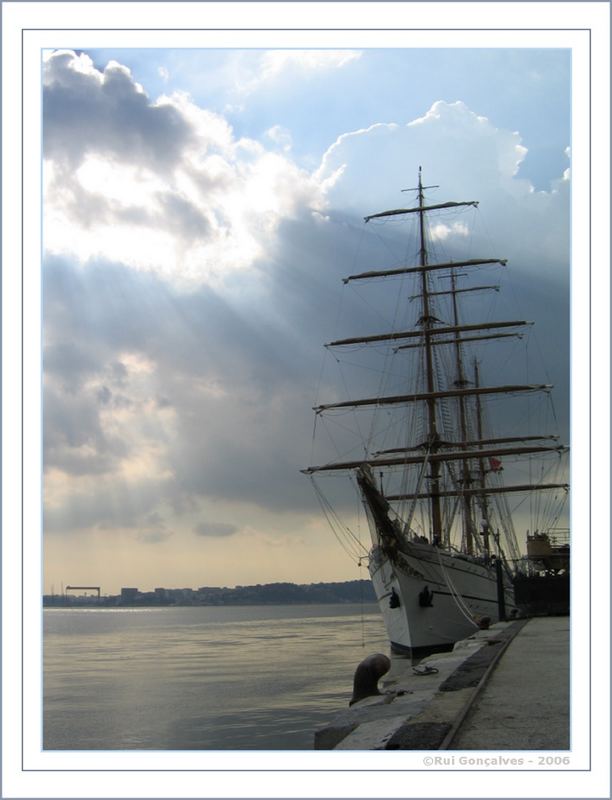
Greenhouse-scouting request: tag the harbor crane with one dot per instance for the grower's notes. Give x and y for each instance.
(83, 588)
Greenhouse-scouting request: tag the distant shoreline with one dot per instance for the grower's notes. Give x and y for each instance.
(267, 594)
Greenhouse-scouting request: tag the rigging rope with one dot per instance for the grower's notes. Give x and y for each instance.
(337, 526)
(459, 601)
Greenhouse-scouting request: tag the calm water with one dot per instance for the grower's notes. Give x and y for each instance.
(224, 678)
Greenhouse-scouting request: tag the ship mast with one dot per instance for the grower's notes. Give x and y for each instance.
(461, 383)
(427, 323)
(484, 502)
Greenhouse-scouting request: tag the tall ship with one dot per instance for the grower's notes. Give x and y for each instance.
(444, 451)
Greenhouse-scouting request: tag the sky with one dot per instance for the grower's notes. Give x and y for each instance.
(200, 210)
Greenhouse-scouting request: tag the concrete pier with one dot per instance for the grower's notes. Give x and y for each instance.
(525, 704)
(505, 688)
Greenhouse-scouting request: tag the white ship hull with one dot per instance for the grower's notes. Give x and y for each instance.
(460, 592)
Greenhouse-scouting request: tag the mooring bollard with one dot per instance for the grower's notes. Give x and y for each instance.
(367, 674)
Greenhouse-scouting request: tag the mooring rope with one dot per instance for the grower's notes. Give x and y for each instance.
(460, 603)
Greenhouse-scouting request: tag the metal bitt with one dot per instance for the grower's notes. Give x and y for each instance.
(367, 675)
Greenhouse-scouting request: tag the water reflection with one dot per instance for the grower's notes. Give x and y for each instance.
(200, 678)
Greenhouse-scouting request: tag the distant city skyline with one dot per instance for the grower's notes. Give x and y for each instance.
(201, 208)
(282, 592)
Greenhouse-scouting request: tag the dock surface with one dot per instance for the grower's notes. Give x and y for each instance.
(525, 703)
(505, 688)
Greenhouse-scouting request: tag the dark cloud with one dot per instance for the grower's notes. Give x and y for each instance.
(108, 505)
(102, 308)
(215, 529)
(71, 361)
(154, 529)
(234, 381)
(170, 211)
(85, 111)
(75, 440)
(182, 217)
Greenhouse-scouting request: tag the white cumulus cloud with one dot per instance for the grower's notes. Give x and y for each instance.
(162, 186)
(273, 65)
(274, 62)
(468, 158)
(280, 136)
